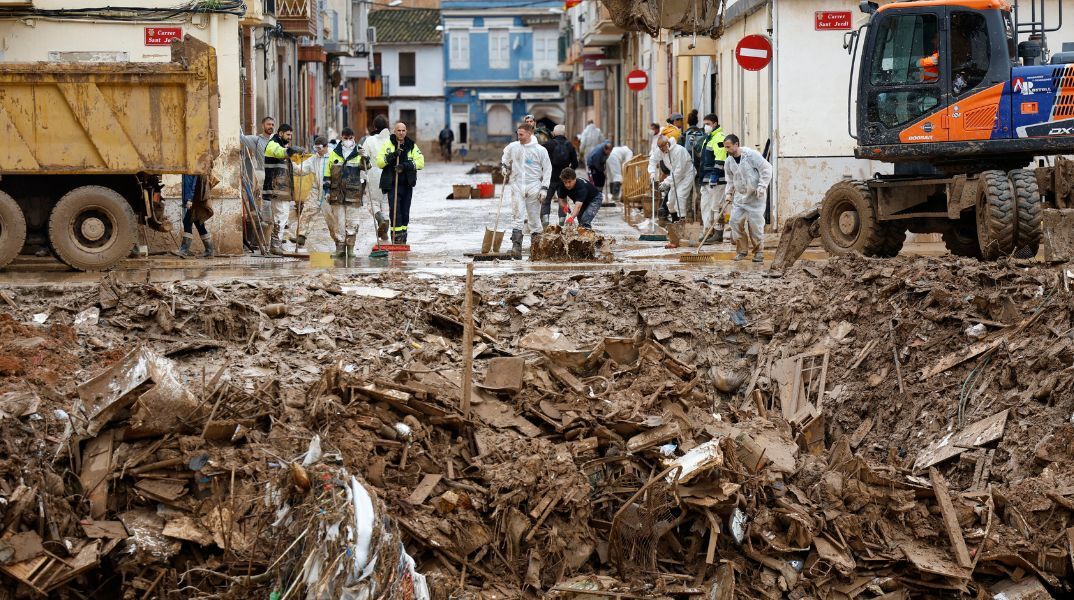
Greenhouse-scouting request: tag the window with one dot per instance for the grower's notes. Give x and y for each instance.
(970, 54)
(459, 42)
(500, 120)
(410, 119)
(545, 49)
(907, 51)
(499, 49)
(406, 69)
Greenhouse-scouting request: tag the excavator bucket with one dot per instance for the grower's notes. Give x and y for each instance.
(798, 232)
(1057, 229)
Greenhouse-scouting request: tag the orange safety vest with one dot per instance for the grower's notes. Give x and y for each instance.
(930, 67)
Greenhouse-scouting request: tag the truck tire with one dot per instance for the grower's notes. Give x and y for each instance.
(848, 223)
(1027, 197)
(12, 229)
(961, 238)
(997, 215)
(91, 228)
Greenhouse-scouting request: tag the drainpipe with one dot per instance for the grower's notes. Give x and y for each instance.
(251, 102)
(773, 115)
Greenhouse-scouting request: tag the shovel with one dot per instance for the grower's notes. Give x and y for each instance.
(494, 237)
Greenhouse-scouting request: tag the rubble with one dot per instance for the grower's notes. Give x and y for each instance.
(685, 434)
(571, 243)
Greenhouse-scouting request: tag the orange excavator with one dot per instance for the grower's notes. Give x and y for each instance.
(951, 94)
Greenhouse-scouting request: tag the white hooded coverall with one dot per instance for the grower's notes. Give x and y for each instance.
(378, 200)
(619, 156)
(748, 179)
(590, 138)
(681, 180)
(531, 170)
(315, 205)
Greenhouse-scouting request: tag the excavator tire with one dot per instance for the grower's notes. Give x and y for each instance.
(12, 229)
(997, 215)
(848, 223)
(961, 238)
(1027, 196)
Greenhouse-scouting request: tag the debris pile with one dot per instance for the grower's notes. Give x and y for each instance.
(859, 430)
(572, 243)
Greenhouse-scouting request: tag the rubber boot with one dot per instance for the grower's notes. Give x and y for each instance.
(544, 221)
(340, 249)
(516, 244)
(184, 248)
(207, 241)
(275, 246)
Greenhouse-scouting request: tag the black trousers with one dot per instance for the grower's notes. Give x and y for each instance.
(189, 223)
(399, 209)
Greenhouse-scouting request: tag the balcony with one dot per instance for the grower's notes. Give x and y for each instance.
(528, 71)
(297, 17)
(378, 88)
(338, 48)
(312, 54)
(259, 13)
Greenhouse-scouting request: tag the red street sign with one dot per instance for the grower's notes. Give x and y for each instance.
(162, 36)
(828, 20)
(637, 80)
(754, 52)
(345, 98)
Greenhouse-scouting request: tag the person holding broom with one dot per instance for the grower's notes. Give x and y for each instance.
(401, 160)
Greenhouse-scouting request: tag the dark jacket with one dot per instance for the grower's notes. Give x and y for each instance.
(568, 150)
(597, 159)
(409, 157)
(447, 135)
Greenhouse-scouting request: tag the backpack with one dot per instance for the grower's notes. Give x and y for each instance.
(695, 139)
(559, 153)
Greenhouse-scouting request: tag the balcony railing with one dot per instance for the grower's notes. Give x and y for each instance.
(297, 17)
(378, 88)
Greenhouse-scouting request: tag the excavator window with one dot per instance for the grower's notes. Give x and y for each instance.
(903, 42)
(905, 70)
(970, 51)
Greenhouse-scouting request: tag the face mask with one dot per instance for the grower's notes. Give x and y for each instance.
(708, 128)
(348, 144)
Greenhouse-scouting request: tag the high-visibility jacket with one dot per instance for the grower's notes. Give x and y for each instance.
(276, 157)
(337, 157)
(930, 67)
(713, 156)
(412, 161)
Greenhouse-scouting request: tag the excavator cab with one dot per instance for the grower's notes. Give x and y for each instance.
(939, 81)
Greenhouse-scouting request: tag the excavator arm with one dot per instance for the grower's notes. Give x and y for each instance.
(798, 232)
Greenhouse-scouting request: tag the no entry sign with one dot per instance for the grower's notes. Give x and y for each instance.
(345, 97)
(637, 80)
(162, 36)
(754, 52)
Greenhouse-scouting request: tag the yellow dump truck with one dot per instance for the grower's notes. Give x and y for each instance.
(85, 146)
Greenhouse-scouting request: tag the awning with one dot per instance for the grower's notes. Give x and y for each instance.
(541, 96)
(497, 95)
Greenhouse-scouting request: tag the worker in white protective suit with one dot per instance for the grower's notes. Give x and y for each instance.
(316, 204)
(748, 177)
(590, 138)
(619, 156)
(679, 185)
(527, 165)
(378, 200)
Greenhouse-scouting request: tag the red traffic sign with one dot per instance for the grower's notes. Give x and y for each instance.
(345, 97)
(162, 36)
(829, 20)
(754, 52)
(637, 80)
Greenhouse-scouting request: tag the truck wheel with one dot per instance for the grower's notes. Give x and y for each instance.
(961, 238)
(1027, 196)
(848, 223)
(91, 228)
(12, 229)
(997, 220)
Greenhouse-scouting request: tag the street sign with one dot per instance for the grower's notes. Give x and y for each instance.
(831, 20)
(754, 52)
(637, 80)
(345, 97)
(162, 36)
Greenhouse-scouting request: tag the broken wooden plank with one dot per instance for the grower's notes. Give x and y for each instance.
(950, 518)
(565, 377)
(424, 489)
(859, 434)
(96, 466)
(957, 358)
(982, 432)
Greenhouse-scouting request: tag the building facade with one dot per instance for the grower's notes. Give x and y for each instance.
(409, 71)
(501, 61)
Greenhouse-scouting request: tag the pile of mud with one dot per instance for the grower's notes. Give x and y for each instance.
(558, 244)
(863, 429)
